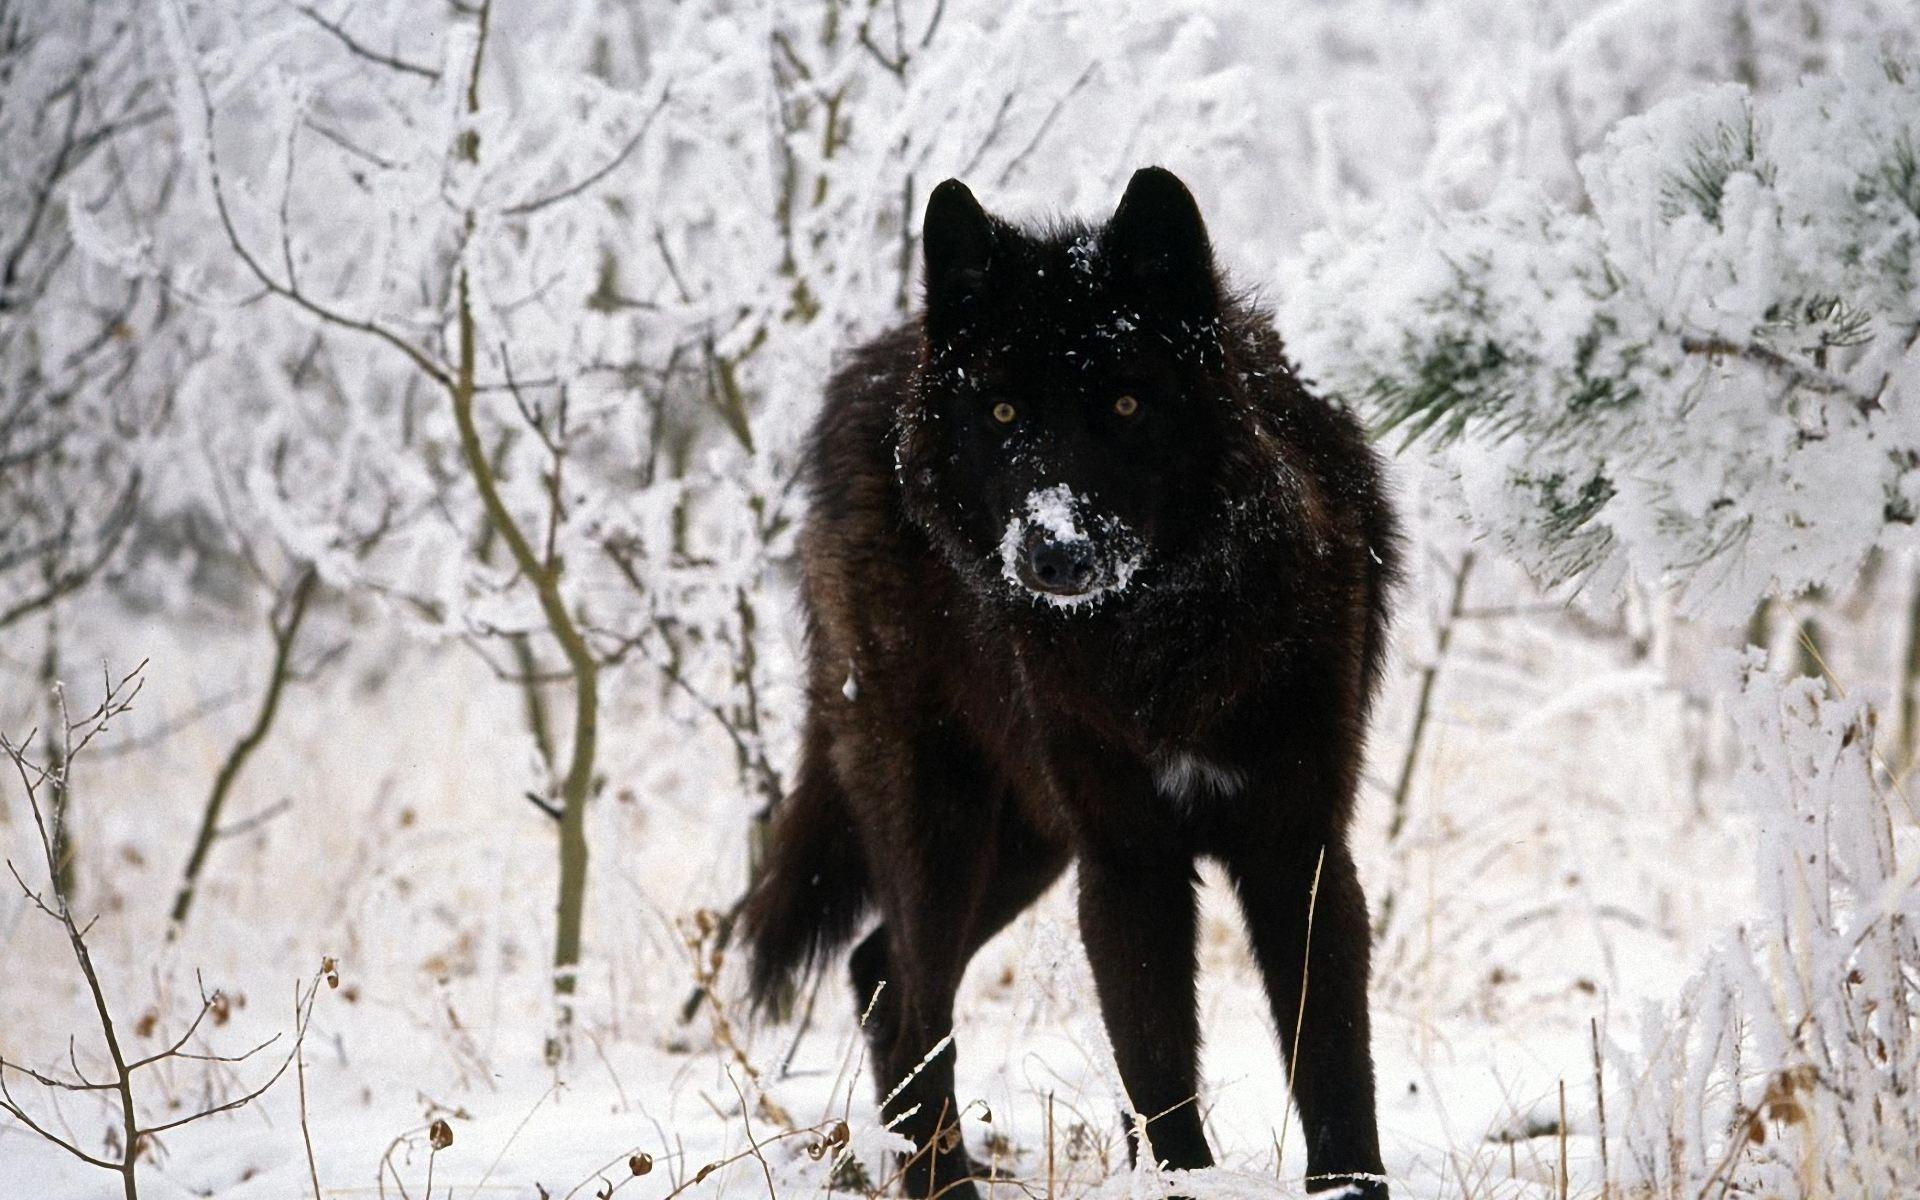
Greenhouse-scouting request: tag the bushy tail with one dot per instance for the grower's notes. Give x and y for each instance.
(812, 891)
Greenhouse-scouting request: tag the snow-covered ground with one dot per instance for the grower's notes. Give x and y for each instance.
(1559, 869)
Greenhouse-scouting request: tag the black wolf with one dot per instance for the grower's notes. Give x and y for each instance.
(1090, 577)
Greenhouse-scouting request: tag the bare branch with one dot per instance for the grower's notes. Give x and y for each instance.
(1046, 123)
(246, 825)
(613, 164)
(54, 1081)
(299, 1036)
(288, 291)
(118, 697)
(206, 1006)
(362, 51)
(64, 582)
(243, 1056)
(19, 1114)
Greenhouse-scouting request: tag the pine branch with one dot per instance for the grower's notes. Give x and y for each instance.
(1803, 375)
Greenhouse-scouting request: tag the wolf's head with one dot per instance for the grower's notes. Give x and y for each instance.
(1073, 401)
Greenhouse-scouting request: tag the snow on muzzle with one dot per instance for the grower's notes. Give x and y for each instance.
(1058, 551)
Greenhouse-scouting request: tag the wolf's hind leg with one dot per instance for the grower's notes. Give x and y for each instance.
(920, 953)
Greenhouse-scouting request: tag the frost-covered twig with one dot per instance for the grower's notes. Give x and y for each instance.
(70, 484)
(362, 51)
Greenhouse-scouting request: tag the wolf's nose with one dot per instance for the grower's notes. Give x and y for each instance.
(1063, 568)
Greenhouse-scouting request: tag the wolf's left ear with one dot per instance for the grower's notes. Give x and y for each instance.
(1157, 242)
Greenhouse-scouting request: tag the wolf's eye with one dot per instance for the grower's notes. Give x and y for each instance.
(1004, 413)
(1126, 406)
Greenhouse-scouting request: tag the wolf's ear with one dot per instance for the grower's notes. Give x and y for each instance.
(958, 239)
(1157, 242)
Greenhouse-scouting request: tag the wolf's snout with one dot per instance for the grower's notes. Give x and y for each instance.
(1062, 550)
(1060, 568)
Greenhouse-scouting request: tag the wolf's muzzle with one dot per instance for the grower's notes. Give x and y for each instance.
(1058, 568)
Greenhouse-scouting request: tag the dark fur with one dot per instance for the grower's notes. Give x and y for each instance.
(989, 738)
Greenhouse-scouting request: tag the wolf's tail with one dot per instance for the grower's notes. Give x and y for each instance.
(813, 888)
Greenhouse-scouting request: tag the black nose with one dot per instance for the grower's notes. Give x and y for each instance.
(1063, 568)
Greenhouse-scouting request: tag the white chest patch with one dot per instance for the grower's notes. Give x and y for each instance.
(1186, 778)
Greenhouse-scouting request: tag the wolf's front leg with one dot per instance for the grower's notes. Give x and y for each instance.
(1331, 1061)
(1137, 917)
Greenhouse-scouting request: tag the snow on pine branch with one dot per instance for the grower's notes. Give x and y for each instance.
(1705, 378)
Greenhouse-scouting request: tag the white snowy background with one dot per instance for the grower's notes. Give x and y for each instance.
(447, 364)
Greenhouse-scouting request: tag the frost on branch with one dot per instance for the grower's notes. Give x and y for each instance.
(1793, 1066)
(1707, 378)
(78, 344)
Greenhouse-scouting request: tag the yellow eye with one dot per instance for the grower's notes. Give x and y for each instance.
(1126, 406)
(1003, 413)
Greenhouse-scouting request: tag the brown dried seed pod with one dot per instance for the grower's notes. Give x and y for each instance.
(640, 1164)
(838, 1135)
(440, 1134)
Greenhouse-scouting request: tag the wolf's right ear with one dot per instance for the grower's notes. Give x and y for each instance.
(1158, 242)
(957, 239)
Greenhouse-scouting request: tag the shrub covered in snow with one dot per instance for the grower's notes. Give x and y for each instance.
(1791, 1065)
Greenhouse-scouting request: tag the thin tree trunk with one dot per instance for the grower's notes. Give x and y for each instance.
(63, 854)
(284, 636)
(1416, 739)
(533, 701)
(1910, 687)
(1429, 675)
(577, 786)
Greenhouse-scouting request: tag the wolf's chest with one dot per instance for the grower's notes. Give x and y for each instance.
(1187, 779)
